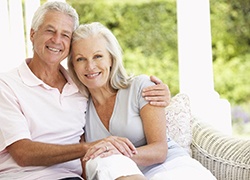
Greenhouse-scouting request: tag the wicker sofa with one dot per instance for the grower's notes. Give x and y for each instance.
(228, 158)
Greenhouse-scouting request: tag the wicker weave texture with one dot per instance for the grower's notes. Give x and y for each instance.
(228, 158)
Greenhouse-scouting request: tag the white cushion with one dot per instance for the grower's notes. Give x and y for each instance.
(179, 120)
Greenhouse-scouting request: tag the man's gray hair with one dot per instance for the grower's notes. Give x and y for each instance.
(63, 7)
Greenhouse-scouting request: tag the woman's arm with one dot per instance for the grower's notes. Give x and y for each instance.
(154, 124)
(110, 145)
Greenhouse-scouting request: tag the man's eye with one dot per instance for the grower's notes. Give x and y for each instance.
(66, 35)
(49, 30)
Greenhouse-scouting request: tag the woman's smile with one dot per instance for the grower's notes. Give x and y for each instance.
(93, 75)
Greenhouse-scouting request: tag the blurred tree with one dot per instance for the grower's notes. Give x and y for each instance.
(231, 43)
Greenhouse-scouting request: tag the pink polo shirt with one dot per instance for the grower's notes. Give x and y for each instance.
(31, 109)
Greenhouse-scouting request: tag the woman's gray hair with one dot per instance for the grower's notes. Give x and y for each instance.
(63, 7)
(119, 79)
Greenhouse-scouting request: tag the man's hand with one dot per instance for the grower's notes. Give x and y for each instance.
(157, 95)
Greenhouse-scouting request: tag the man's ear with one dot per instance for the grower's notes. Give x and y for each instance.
(32, 32)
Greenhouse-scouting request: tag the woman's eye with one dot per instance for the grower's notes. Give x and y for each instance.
(80, 59)
(98, 56)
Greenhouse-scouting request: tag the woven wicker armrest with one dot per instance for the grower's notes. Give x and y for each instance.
(227, 157)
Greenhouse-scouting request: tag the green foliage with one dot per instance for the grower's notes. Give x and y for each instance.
(230, 21)
(233, 79)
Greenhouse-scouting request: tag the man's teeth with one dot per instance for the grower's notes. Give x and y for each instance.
(92, 75)
(54, 49)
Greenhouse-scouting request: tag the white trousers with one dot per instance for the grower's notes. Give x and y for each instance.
(110, 168)
(183, 167)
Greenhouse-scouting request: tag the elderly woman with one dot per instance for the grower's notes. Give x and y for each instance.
(116, 108)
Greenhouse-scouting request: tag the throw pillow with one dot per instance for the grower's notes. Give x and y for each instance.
(179, 120)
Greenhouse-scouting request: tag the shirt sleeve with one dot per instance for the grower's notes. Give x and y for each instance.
(13, 124)
(139, 83)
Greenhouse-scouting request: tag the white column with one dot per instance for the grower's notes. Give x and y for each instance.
(30, 8)
(12, 43)
(15, 43)
(195, 64)
(4, 36)
(17, 50)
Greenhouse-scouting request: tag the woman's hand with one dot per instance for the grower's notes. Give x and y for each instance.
(111, 145)
(157, 95)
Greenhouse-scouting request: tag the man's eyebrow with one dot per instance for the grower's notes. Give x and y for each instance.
(65, 31)
(50, 26)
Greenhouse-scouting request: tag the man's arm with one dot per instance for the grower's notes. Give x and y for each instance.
(157, 95)
(28, 153)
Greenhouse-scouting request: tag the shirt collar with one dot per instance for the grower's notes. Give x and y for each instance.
(30, 79)
(27, 75)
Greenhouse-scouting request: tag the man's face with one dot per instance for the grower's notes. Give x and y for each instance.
(51, 42)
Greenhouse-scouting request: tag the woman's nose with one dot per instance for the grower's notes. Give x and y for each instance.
(90, 65)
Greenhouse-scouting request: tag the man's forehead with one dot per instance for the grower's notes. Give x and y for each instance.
(55, 19)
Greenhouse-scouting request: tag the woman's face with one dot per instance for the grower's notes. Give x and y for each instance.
(92, 62)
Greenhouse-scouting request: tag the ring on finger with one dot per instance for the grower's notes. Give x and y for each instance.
(107, 148)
